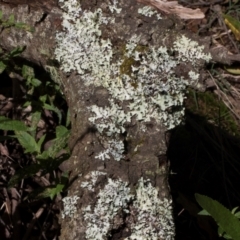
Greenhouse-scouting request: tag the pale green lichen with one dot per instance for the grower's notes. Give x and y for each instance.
(92, 178)
(113, 197)
(149, 11)
(69, 206)
(153, 217)
(150, 85)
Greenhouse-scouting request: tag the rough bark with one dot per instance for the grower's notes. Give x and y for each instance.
(126, 195)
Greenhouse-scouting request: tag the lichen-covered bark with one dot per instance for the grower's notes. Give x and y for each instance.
(124, 73)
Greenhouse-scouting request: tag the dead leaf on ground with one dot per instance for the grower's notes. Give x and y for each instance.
(173, 7)
(4, 150)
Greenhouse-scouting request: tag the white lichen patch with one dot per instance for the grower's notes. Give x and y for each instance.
(79, 45)
(151, 89)
(154, 216)
(114, 197)
(189, 50)
(149, 11)
(93, 177)
(113, 7)
(194, 76)
(115, 148)
(69, 206)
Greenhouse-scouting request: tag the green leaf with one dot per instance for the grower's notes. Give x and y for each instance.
(54, 109)
(224, 218)
(221, 233)
(233, 24)
(204, 213)
(2, 66)
(27, 72)
(44, 192)
(61, 131)
(35, 118)
(20, 25)
(237, 214)
(234, 210)
(11, 125)
(1, 14)
(54, 191)
(43, 98)
(11, 19)
(17, 51)
(24, 26)
(59, 143)
(35, 82)
(27, 141)
(41, 140)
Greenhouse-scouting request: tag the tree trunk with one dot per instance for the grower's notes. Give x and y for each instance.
(124, 70)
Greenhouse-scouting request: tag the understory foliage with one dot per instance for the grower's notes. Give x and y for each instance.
(44, 160)
(33, 143)
(228, 221)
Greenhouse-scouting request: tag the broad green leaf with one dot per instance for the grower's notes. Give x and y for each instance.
(61, 131)
(20, 25)
(41, 140)
(222, 233)
(43, 98)
(24, 26)
(27, 141)
(27, 72)
(43, 155)
(26, 104)
(36, 116)
(224, 218)
(2, 66)
(52, 192)
(17, 51)
(233, 24)
(234, 210)
(5, 24)
(44, 192)
(35, 82)
(11, 125)
(58, 144)
(237, 214)
(11, 19)
(204, 213)
(1, 14)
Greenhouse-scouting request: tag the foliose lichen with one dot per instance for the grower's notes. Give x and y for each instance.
(149, 11)
(151, 89)
(69, 206)
(93, 177)
(113, 197)
(153, 217)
